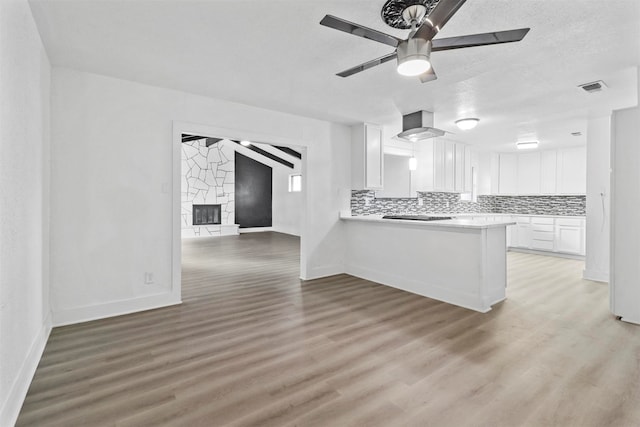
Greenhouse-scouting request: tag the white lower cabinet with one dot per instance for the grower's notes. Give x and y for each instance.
(570, 236)
(549, 234)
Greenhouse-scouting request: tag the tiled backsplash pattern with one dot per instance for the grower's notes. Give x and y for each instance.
(540, 205)
(365, 203)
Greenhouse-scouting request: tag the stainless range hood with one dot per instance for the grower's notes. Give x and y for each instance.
(418, 126)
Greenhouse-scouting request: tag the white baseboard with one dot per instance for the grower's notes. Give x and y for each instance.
(114, 308)
(430, 290)
(18, 390)
(596, 276)
(627, 320)
(320, 272)
(546, 253)
(255, 229)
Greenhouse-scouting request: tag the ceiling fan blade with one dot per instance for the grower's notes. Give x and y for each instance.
(428, 76)
(358, 30)
(438, 17)
(483, 39)
(367, 65)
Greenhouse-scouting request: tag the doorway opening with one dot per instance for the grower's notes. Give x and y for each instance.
(226, 186)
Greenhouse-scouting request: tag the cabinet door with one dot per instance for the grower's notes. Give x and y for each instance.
(548, 169)
(569, 239)
(373, 165)
(572, 171)
(449, 166)
(508, 171)
(459, 168)
(528, 173)
(438, 165)
(468, 170)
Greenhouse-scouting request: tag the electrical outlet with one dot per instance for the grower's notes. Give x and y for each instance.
(420, 201)
(148, 278)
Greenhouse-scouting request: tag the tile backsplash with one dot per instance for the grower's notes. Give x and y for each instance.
(364, 202)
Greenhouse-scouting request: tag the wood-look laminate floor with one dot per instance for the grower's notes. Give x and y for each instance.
(251, 346)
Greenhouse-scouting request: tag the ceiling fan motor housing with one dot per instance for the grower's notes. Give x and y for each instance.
(414, 49)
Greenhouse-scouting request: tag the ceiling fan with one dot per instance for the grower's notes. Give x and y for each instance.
(425, 18)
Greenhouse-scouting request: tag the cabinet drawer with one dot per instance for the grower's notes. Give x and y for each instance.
(523, 219)
(571, 222)
(543, 245)
(541, 220)
(543, 227)
(543, 235)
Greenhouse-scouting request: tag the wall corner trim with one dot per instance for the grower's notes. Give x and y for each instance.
(18, 390)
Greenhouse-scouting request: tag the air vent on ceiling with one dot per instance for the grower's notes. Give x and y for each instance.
(591, 87)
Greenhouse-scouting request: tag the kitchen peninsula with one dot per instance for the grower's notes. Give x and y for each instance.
(458, 261)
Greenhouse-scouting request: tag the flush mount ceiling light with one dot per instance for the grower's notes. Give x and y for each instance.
(245, 143)
(527, 145)
(467, 124)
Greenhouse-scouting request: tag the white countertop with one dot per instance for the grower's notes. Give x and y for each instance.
(477, 223)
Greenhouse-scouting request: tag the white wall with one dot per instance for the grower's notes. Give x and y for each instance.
(598, 199)
(25, 320)
(287, 206)
(625, 211)
(624, 274)
(112, 211)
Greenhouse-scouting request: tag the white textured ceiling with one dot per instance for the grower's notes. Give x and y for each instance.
(275, 55)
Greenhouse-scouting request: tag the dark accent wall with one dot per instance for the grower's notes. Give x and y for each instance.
(253, 185)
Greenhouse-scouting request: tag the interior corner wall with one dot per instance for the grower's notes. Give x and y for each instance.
(112, 210)
(598, 199)
(25, 320)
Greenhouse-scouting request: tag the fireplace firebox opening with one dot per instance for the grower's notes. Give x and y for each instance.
(206, 214)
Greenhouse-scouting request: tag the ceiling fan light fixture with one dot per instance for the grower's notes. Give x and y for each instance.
(414, 67)
(413, 57)
(467, 124)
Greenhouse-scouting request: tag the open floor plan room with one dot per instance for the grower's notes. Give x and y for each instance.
(252, 345)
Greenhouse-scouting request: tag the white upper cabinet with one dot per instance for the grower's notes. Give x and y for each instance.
(367, 160)
(443, 166)
(548, 171)
(529, 173)
(572, 171)
(542, 172)
(459, 168)
(449, 166)
(508, 176)
(469, 161)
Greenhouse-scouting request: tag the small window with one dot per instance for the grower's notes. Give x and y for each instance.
(295, 183)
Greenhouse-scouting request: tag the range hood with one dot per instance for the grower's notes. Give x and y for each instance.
(418, 126)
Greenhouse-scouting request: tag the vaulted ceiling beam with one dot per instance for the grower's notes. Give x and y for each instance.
(289, 151)
(267, 154)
